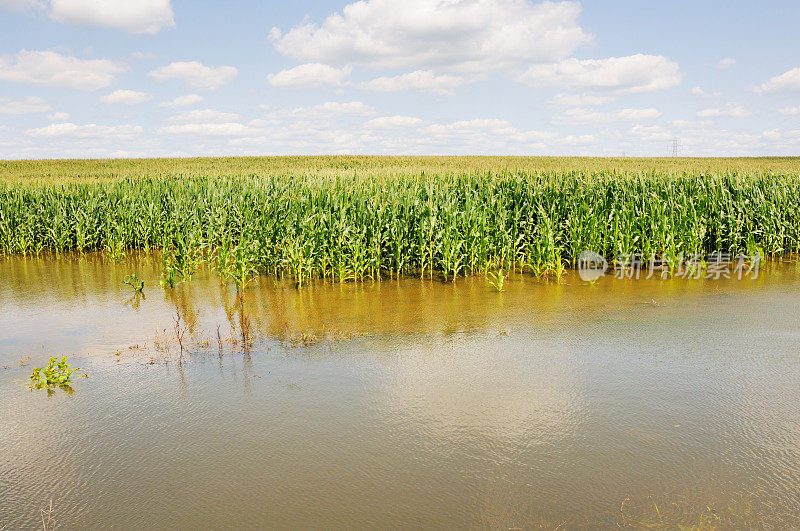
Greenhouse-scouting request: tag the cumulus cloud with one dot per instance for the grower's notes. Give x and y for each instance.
(56, 70)
(204, 116)
(790, 111)
(84, 131)
(393, 122)
(578, 100)
(731, 109)
(786, 83)
(207, 129)
(698, 91)
(621, 75)
(419, 80)
(463, 35)
(486, 135)
(195, 75)
(309, 75)
(186, 100)
(589, 116)
(29, 105)
(140, 16)
(726, 62)
(329, 109)
(649, 132)
(683, 124)
(126, 97)
(58, 116)
(787, 137)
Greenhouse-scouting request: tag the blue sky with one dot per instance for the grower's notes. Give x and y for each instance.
(115, 78)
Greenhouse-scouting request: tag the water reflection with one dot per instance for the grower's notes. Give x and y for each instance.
(630, 403)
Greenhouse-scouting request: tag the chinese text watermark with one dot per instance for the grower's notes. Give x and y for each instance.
(716, 266)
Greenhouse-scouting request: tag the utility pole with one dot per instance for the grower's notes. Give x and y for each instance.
(675, 146)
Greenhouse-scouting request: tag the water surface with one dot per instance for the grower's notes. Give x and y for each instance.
(400, 403)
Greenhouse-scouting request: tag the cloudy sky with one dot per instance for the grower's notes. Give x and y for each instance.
(113, 78)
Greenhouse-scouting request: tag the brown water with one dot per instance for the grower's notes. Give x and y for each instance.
(417, 403)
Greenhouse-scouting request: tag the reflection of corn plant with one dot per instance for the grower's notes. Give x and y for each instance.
(57, 373)
(496, 279)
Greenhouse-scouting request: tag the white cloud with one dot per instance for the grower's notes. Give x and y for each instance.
(144, 55)
(207, 116)
(139, 16)
(84, 131)
(126, 97)
(207, 129)
(578, 140)
(682, 124)
(697, 91)
(622, 75)
(309, 75)
(57, 70)
(463, 35)
(330, 109)
(58, 116)
(476, 136)
(421, 80)
(578, 100)
(649, 132)
(726, 62)
(182, 101)
(485, 128)
(196, 75)
(786, 137)
(788, 82)
(29, 105)
(393, 122)
(136, 17)
(731, 109)
(589, 116)
(790, 111)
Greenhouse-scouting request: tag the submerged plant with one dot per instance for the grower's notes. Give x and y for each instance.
(134, 282)
(57, 373)
(496, 279)
(169, 274)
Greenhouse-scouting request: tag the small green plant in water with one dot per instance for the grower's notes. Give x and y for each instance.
(57, 373)
(497, 279)
(134, 282)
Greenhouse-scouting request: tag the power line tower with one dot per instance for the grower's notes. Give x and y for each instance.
(675, 147)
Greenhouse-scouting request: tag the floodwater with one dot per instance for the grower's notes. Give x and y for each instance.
(399, 403)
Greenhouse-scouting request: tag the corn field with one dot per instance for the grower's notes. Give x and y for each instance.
(358, 227)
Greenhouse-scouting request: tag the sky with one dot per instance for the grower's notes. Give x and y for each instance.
(147, 78)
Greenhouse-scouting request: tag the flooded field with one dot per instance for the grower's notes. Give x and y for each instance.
(399, 403)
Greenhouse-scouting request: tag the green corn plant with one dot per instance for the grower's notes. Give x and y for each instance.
(134, 282)
(497, 279)
(448, 216)
(57, 373)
